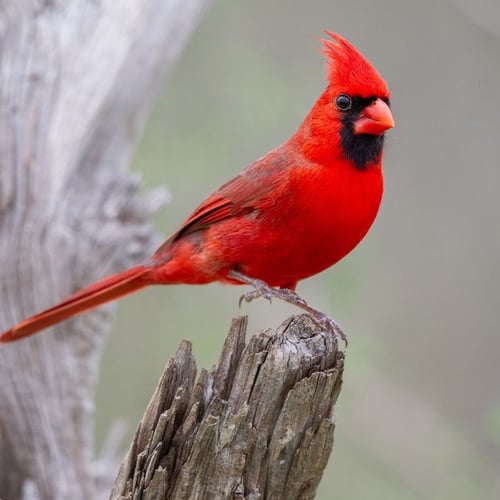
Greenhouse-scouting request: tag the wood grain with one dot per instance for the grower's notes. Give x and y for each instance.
(258, 425)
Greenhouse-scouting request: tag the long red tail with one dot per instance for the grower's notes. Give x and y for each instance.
(102, 291)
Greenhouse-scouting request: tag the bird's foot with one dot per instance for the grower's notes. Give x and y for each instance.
(262, 289)
(332, 326)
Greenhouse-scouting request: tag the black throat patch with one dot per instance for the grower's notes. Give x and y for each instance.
(363, 149)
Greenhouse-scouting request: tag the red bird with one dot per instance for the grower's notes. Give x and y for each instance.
(289, 215)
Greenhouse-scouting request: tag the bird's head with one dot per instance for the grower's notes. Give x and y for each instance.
(353, 113)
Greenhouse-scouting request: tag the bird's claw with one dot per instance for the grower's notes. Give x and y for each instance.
(333, 327)
(252, 295)
(262, 289)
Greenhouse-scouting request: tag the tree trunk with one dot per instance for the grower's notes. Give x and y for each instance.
(76, 80)
(259, 425)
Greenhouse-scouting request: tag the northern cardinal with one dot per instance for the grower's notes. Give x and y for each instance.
(289, 215)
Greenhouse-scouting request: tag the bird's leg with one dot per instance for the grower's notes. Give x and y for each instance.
(262, 289)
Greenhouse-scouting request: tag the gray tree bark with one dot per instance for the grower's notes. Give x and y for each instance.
(259, 425)
(76, 80)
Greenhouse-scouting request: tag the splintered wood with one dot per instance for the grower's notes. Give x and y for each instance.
(259, 425)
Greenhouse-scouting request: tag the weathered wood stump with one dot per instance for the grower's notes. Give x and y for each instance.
(259, 425)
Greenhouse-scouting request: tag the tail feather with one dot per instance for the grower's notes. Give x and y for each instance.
(105, 290)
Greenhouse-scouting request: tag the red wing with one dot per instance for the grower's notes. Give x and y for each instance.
(239, 196)
(213, 210)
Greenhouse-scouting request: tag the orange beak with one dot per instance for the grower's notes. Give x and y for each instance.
(375, 119)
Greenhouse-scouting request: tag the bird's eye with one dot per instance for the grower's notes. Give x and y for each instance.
(343, 102)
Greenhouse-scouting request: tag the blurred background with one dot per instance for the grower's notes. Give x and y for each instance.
(419, 414)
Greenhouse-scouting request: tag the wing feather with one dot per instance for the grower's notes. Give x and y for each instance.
(241, 195)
